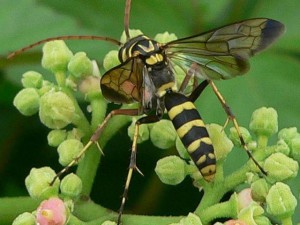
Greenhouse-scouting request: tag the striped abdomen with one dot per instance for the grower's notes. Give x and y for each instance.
(192, 132)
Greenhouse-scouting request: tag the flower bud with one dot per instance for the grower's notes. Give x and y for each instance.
(90, 85)
(80, 65)
(32, 79)
(56, 110)
(71, 185)
(259, 190)
(52, 212)
(56, 137)
(163, 134)
(68, 150)
(111, 60)
(38, 183)
(250, 213)
(132, 33)
(222, 144)
(245, 198)
(191, 219)
(25, 218)
(295, 146)
(234, 137)
(181, 149)
(109, 223)
(165, 37)
(282, 147)
(264, 122)
(56, 56)
(280, 201)
(280, 167)
(171, 170)
(235, 222)
(27, 101)
(143, 132)
(287, 134)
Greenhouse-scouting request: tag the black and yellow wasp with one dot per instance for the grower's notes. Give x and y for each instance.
(146, 75)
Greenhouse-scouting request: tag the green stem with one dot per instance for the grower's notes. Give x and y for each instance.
(227, 209)
(262, 141)
(287, 221)
(60, 77)
(10, 208)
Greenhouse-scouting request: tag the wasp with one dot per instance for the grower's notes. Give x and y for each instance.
(146, 75)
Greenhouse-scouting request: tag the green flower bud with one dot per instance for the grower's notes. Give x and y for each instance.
(250, 213)
(262, 220)
(295, 146)
(32, 79)
(80, 65)
(280, 201)
(282, 147)
(90, 86)
(287, 134)
(56, 110)
(71, 185)
(25, 218)
(56, 56)
(46, 87)
(75, 134)
(132, 33)
(181, 149)
(264, 122)
(280, 167)
(56, 137)
(171, 170)
(222, 144)
(27, 101)
(143, 132)
(259, 190)
(163, 134)
(165, 37)
(109, 223)
(68, 150)
(38, 183)
(111, 60)
(234, 137)
(191, 219)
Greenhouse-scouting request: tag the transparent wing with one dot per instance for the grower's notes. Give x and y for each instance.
(223, 53)
(123, 83)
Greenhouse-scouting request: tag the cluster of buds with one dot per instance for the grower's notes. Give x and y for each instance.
(58, 108)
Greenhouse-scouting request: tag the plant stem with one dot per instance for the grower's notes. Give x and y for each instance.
(10, 208)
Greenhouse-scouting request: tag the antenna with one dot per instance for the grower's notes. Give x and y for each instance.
(68, 37)
(126, 18)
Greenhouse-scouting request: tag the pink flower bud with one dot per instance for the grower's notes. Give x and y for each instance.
(52, 212)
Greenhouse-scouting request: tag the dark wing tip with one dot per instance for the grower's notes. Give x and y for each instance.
(271, 31)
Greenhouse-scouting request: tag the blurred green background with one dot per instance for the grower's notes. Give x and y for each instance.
(273, 81)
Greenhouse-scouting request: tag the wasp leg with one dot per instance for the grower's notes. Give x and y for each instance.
(198, 90)
(95, 137)
(230, 116)
(132, 164)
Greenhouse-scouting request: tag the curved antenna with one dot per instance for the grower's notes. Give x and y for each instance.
(68, 37)
(126, 18)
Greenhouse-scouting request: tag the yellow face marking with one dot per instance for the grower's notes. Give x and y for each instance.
(201, 160)
(179, 108)
(185, 128)
(153, 59)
